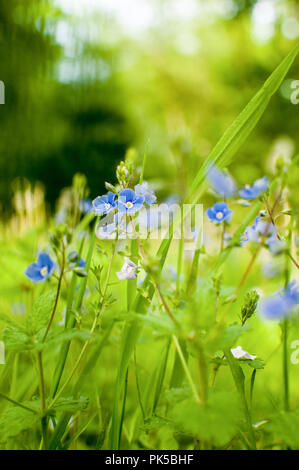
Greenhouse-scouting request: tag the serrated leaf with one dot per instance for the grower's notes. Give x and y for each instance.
(71, 404)
(217, 421)
(15, 339)
(257, 363)
(15, 420)
(41, 312)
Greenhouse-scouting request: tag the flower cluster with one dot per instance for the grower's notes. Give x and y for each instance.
(225, 186)
(128, 201)
(259, 230)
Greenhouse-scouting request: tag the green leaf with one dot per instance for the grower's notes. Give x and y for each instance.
(68, 335)
(130, 337)
(16, 420)
(216, 422)
(71, 404)
(240, 129)
(224, 337)
(257, 363)
(40, 314)
(285, 427)
(153, 423)
(10, 321)
(15, 339)
(239, 380)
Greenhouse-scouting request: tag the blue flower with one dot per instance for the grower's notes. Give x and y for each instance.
(41, 269)
(104, 204)
(258, 187)
(281, 304)
(75, 261)
(222, 183)
(219, 212)
(145, 191)
(128, 201)
(259, 230)
(85, 206)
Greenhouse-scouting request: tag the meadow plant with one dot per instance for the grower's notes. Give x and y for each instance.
(113, 354)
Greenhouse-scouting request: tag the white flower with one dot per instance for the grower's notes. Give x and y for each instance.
(128, 271)
(238, 353)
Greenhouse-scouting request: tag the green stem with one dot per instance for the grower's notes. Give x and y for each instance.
(17, 403)
(144, 162)
(285, 366)
(238, 377)
(57, 294)
(97, 316)
(43, 400)
(168, 311)
(185, 367)
(180, 253)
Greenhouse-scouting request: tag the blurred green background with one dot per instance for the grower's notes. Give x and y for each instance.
(85, 80)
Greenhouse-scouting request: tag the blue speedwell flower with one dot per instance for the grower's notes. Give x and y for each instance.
(219, 212)
(146, 192)
(281, 304)
(41, 269)
(222, 183)
(260, 229)
(129, 202)
(258, 187)
(75, 261)
(104, 204)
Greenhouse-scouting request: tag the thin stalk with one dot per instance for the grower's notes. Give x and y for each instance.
(168, 311)
(57, 294)
(180, 253)
(144, 162)
(185, 367)
(17, 403)
(97, 316)
(44, 423)
(285, 324)
(270, 212)
(238, 378)
(285, 366)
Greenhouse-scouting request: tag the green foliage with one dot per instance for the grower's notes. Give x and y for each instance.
(16, 420)
(95, 361)
(284, 426)
(217, 422)
(39, 317)
(16, 339)
(250, 305)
